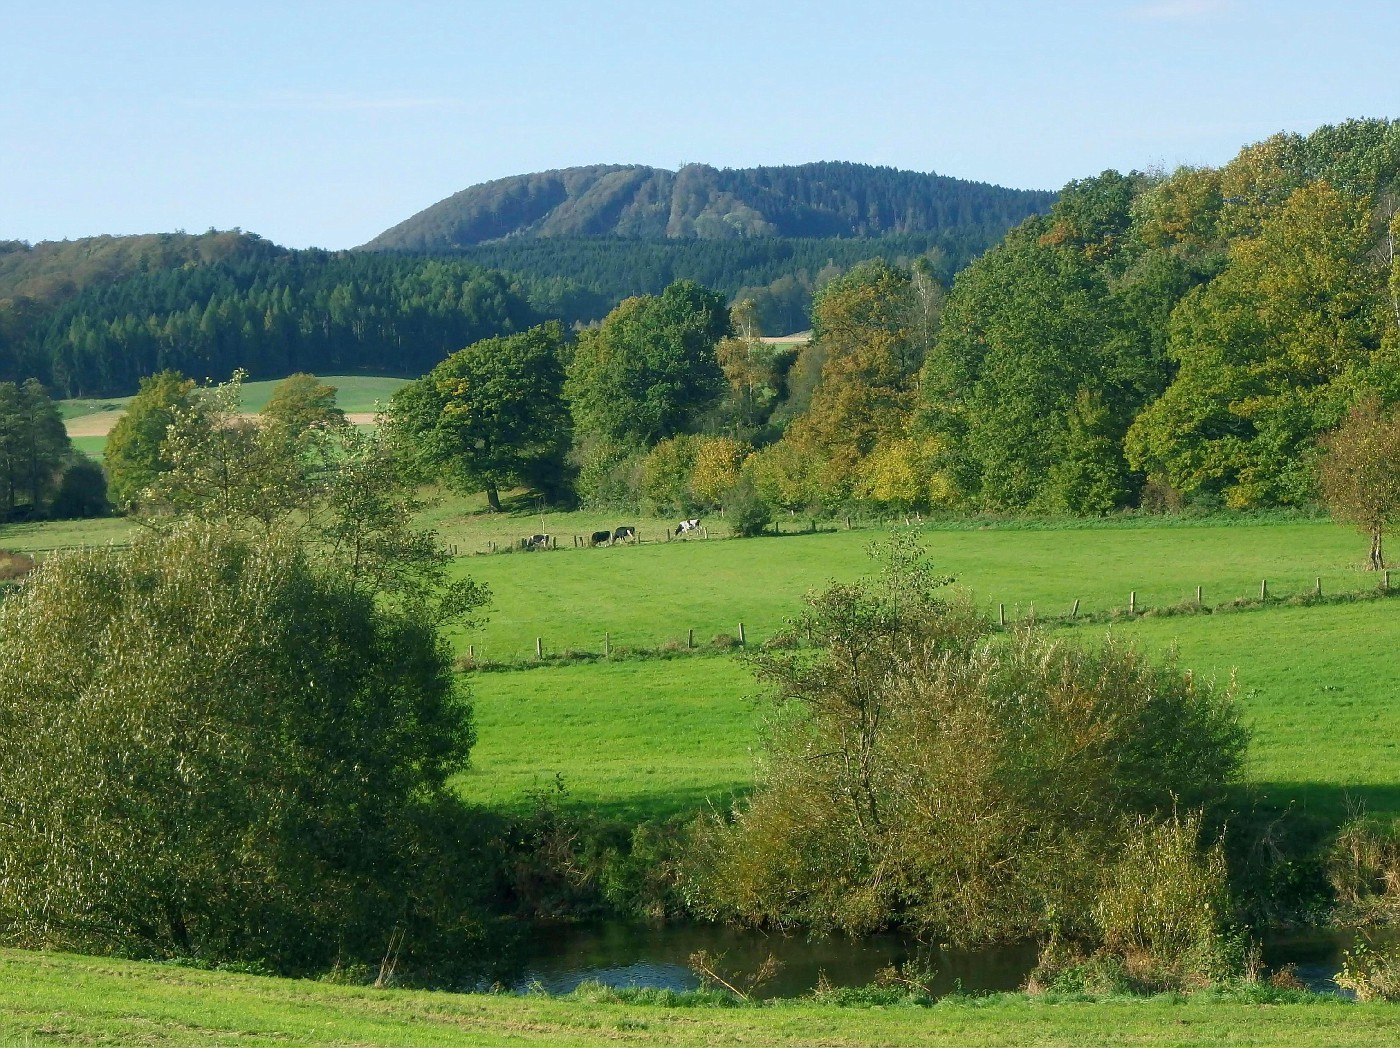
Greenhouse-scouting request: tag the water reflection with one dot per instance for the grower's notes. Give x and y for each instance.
(559, 957)
(619, 954)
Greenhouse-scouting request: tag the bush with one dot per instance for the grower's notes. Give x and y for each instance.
(1371, 972)
(82, 491)
(918, 771)
(1364, 866)
(208, 749)
(748, 513)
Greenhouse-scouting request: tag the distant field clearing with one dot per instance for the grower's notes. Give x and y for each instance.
(100, 423)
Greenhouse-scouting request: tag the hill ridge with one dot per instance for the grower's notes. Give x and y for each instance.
(698, 201)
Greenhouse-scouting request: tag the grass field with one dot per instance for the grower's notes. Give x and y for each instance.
(89, 419)
(69, 1000)
(629, 739)
(1318, 687)
(1318, 684)
(649, 594)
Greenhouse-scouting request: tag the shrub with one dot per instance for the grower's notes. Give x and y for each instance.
(82, 491)
(209, 749)
(748, 513)
(15, 566)
(919, 771)
(1371, 972)
(1364, 865)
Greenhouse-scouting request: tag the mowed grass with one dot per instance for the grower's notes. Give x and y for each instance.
(1318, 687)
(627, 739)
(73, 1000)
(653, 593)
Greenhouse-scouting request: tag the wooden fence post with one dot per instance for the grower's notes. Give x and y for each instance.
(1263, 589)
(1074, 611)
(1132, 603)
(1385, 582)
(690, 638)
(539, 647)
(1198, 596)
(1317, 589)
(741, 635)
(848, 523)
(1001, 614)
(607, 645)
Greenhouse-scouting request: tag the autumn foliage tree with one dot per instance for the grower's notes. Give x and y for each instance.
(1359, 474)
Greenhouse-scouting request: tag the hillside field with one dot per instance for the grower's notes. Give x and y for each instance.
(70, 1000)
(89, 420)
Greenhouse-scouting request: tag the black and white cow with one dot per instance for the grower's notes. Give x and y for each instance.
(624, 533)
(537, 542)
(685, 527)
(599, 537)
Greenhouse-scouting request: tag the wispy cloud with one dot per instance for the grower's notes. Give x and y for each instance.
(325, 102)
(1178, 10)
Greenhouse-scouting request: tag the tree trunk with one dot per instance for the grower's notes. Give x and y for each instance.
(1377, 555)
(493, 499)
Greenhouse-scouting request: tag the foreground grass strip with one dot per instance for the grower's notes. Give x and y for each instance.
(62, 999)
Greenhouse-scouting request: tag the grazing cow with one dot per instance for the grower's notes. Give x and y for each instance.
(599, 537)
(624, 533)
(538, 542)
(685, 527)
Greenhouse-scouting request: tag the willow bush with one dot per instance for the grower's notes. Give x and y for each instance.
(210, 749)
(921, 771)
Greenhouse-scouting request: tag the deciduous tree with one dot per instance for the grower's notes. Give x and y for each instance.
(649, 370)
(491, 415)
(133, 454)
(1359, 473)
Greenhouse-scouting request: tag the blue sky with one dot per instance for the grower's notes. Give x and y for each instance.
(322, 124)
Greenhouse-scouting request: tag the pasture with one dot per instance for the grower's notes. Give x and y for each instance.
(54, 998)
(89, 420)
(651, 737)
(1317, 686)
(653, 593)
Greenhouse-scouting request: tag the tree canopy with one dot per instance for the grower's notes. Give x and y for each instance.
(491, 415)
(649, 370)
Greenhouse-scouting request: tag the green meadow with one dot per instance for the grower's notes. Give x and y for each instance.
(68, 1000)
(1317, 683)
(1317, 686)
(645, 737)
(656, 592)
(355, 395)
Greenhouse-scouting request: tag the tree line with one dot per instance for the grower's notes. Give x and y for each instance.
(270, 314)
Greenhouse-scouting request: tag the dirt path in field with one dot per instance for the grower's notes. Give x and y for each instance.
(100, 423)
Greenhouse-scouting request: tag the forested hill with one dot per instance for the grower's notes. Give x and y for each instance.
(93, 317)
(701, 202)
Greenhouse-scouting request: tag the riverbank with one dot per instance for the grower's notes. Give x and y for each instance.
(66, 999)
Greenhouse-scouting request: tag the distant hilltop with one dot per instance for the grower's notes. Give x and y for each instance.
(707, 203)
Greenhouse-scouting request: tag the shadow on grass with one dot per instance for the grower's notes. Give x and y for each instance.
(1329, 803)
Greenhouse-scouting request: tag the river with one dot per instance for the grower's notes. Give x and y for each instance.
(560, 957)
